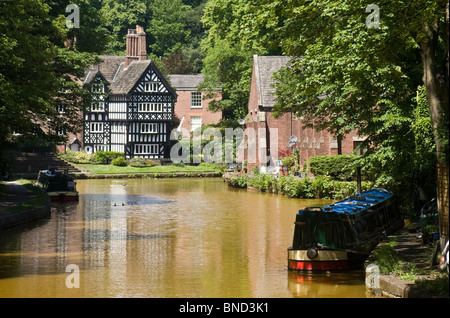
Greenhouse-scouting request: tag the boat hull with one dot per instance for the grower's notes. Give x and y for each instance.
(62, 196)
(326, 260)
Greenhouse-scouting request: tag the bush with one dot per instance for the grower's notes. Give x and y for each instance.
(102, 157)
(141, 162)
(78, 157)
(119, 161)
(338, 167)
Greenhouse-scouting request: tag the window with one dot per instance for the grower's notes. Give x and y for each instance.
(196, 122)
(151, 87)
(61, 130)
(358, 150)
(149, 128)
(150, 108)
(142, 149)
(98, 88)
(196, 100)
(61, 108)
(98, 106)
(96, 127)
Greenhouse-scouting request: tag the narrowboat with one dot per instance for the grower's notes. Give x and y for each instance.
(341, 235)
(59, 186)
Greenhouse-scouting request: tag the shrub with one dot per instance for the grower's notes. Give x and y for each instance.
(141, 162)
(239, 182)
(78, 157)
(338, 167)
(119, 161)
(103, 157)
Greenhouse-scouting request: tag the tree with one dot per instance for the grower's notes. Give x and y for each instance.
(229, 46)
(357, 66)
(167, 28)
(120, 15)
(38, 72)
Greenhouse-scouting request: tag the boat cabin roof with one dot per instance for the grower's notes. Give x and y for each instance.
(357, 203)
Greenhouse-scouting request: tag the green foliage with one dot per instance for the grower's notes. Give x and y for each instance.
(141, 162)
(239, 182)
(103, 157)
(36, 64)
(339, 167)
(168, 27)
(119, 161)
(78, 157)
(322, 187)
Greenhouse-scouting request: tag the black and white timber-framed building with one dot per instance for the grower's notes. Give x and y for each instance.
(132, 109)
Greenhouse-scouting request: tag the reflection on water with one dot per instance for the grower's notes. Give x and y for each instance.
(164, 238)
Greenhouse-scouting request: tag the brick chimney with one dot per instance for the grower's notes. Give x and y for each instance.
(136, 45)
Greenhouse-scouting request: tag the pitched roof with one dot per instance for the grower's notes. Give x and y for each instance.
(186, 82)
(108, 67)
(128, 77)
(121, 79)
(264, 67)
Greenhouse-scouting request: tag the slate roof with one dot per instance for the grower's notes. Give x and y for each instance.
(264, 67)
(109, 68)
(186, 82)
(126, 79)
(121, 80)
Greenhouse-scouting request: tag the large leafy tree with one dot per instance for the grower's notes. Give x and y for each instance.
(39, 71)
(358, 66)
(229, 45)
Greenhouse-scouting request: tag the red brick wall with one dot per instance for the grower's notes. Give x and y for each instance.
(310, 141)
(183, 107)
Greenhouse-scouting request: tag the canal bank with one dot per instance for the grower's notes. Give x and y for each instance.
(19, 205)
(411, 250)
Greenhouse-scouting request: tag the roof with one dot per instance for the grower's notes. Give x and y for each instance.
(264, 67)
(126, 79)
(109, 68)
(121, 79)
(186, 82)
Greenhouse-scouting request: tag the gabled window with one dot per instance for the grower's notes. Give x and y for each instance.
(98, 88)
(151, 86)
(196, 100)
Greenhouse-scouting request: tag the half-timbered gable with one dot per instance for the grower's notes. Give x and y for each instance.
(132, 105)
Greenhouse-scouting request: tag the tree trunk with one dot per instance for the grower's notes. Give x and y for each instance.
(436, 82)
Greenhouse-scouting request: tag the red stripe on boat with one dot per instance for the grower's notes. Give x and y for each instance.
(318, 265)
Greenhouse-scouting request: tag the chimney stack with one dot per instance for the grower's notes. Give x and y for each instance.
(136, 45)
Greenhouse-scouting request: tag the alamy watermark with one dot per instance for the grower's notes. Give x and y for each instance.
(73, 19)
(372, 277)
(373, 19)
(73, 279)
(212, 146)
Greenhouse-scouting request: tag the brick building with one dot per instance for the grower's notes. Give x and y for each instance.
(191, 107)
(271, 135)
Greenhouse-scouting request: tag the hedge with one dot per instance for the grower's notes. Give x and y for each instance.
(338, 167)
(322, 187)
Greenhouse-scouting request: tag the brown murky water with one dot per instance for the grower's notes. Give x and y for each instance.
(164, 238)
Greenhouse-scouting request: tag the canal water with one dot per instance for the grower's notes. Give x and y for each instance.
(162, 238)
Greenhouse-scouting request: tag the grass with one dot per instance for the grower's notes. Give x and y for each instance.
(111, 169)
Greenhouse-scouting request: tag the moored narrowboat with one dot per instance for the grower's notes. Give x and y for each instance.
(59, 186)
(341, 235)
